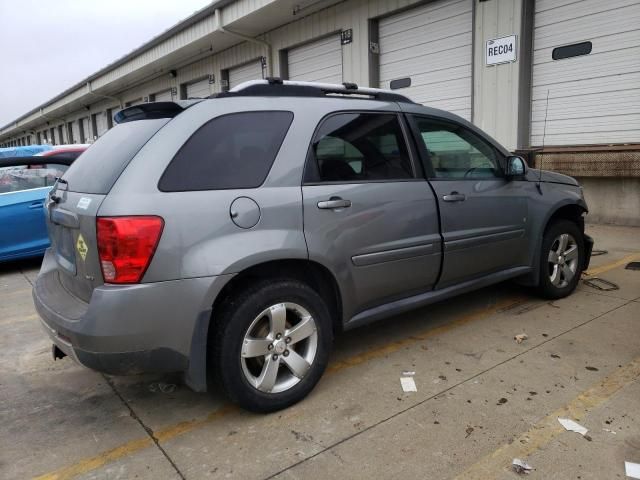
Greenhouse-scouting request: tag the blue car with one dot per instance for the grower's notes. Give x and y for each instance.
(24, 185)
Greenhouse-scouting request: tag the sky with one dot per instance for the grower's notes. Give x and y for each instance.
(46, 46)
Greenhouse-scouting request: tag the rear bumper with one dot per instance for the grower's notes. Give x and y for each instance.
(126, 329)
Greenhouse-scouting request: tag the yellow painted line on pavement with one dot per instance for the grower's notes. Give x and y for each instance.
(173, 431)
(542, 433)
(610, 266)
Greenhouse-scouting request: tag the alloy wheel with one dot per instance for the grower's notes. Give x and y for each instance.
(279, 347)
(563, 260)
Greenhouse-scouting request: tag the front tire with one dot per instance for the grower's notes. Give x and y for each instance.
(271, 344)
(561, 259)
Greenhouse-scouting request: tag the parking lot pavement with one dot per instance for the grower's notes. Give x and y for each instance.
(482, 398)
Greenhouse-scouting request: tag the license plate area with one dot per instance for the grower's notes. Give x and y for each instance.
(65, 253)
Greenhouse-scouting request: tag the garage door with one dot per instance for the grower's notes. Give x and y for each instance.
(318, 61)
(76, 131)
(199, 89)
(244, 73)
(101, 123)
(594, 97)
(84, 130)
(431, 44)
(163, 96)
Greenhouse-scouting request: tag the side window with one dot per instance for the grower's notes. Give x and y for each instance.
(232, 151)
(456, 152)
(357, 147)
(28, 177)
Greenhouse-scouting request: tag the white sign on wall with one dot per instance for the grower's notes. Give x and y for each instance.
(501, 50)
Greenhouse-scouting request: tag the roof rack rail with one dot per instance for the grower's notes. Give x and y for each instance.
(276, 87)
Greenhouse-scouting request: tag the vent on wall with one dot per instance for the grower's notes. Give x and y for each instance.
(568, 51)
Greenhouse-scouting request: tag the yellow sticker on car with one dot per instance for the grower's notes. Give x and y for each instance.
(82, 248)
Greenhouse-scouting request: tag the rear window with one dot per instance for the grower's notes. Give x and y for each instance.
(231, 151)
(97, 169)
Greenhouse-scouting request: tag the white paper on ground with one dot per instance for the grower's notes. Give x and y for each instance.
(521, 466)
(572, 426)
(408, 385)
(632, 470)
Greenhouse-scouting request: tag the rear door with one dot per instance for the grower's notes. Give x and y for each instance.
(74, 203)
(483, 215)
(23, 190)
(367, 215)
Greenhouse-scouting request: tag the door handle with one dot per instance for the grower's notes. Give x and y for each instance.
(35, 205)
(454, 197)
(333, 203)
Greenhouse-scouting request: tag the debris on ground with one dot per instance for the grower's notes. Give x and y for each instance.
(408, 373)
(521, 337)
(162, 387)
(632, 266)
(632, 470)
(572, 426)
(609, 431)
(591, 369)
(408, 384)
(600, 284)
(502, 401)
(468, 431)
(595, 253)
(520, 466)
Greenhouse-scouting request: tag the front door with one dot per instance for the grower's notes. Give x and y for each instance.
(483, 214)
(367, 216)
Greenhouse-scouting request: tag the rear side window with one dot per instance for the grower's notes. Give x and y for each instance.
(231, 151)
(97, 169)
(359, 147)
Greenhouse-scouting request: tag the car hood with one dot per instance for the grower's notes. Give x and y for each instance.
(533, 175)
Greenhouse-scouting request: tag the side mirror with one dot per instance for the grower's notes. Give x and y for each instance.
(516, 166)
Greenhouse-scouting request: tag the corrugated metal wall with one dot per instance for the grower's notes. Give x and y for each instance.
(594, 98)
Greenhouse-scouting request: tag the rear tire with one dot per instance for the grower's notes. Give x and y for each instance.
(271, 344)
(561, 259)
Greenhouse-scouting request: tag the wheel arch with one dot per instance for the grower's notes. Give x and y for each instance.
(568, 210)
(314, 274)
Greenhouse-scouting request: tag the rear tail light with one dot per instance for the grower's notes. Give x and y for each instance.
(126, 246)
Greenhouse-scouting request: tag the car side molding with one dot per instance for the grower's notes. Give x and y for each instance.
(422, 299)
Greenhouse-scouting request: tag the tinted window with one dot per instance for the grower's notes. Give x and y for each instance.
(569, 51)
(28, 177)
(456, 152)
(232, 151)
(97, 169)
(355, 147)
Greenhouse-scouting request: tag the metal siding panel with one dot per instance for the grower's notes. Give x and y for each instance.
(318, 61)
(593, 98)
(244, 73)
(432, 44)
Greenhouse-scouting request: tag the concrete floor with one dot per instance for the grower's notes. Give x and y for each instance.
(482, 398)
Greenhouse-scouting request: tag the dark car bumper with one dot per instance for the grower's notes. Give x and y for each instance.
(588, 248)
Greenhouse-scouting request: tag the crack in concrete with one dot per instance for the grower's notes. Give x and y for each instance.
(147, 429)
(329, 448)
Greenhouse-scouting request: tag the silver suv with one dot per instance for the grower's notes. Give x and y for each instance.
(231, 238)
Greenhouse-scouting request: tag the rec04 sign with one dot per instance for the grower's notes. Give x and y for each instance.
(501, 50)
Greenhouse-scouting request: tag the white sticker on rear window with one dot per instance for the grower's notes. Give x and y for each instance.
(83, 203)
